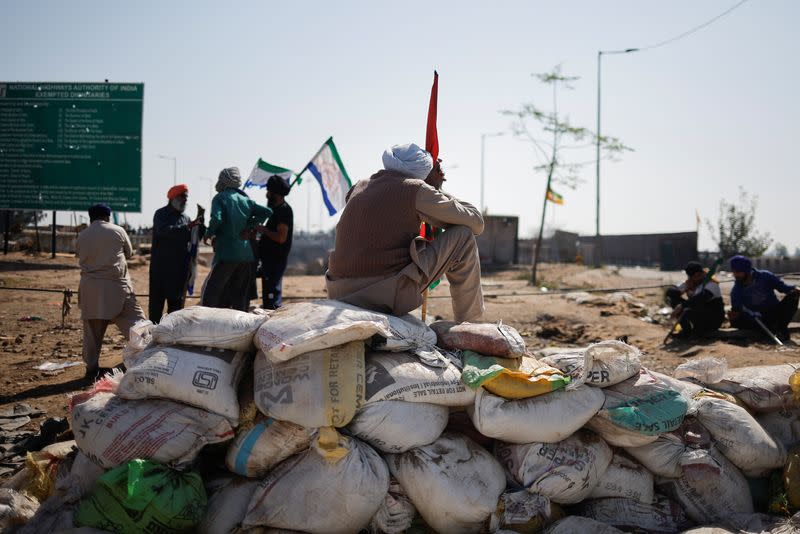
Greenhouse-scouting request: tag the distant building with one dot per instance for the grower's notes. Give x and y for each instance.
(561, 247)
(670, 252)
(499, 244)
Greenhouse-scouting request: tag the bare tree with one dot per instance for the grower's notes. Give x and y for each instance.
(553, 138)
(735, 231)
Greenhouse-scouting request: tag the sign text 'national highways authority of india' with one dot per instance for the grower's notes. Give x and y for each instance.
(66, 146)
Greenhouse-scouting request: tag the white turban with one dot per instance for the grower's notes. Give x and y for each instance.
(229, 179)
(408, 159)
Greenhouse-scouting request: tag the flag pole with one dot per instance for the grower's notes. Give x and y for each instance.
(432, 146)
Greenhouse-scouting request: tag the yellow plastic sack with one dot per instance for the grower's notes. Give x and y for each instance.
(721, 395)
(511, 378)
(41, 469)
(794, 383)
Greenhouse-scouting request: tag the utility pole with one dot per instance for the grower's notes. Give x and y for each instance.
(597, 240)
(53, 237)
(7, 232)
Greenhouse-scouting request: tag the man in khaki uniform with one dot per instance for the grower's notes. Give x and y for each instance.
(105, 294)
(379, 261)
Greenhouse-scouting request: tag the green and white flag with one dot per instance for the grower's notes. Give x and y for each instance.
(263, 170)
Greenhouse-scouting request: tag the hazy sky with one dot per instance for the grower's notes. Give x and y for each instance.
(226, 83)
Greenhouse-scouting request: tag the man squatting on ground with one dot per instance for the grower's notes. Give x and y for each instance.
(753, 295)
(703, 311)
(233, 217)
(381, 263)
(105, 293)
(170, 254)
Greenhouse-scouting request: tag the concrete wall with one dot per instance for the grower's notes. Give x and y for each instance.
(776, 265)
(65, 241)
(561, 247)
(668, 251)
(498, 244)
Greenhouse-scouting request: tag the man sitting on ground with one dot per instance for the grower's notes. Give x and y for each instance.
(703, 311)
(379, 261)
(753, 297)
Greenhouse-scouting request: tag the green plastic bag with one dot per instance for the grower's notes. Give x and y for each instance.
(652, 415)
(143, 496)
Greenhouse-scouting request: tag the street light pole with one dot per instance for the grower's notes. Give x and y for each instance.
(597, 246)
(483, 152)
(597, 156)
(174, 167)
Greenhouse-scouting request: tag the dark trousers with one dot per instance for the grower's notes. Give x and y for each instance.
(163, 291)
(701, 317)
(776, 319)
(228, 286)
(272, 284)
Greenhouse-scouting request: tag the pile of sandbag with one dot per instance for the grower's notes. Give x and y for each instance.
(323, 417)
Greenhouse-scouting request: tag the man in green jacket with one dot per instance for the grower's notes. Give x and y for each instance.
(233, 217)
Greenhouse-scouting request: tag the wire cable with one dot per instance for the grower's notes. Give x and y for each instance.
(693, 30)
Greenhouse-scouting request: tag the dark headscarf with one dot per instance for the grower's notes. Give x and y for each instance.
(741, 264)
(99, 211)
(276, 184)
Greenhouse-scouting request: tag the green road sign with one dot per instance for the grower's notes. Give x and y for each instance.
(65, 146)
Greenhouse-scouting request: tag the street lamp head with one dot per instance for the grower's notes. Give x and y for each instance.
(625, 51)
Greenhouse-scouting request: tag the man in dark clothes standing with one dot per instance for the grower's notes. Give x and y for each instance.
(275, 242)
(169, 259)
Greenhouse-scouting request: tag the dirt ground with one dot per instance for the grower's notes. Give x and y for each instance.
(542, 317)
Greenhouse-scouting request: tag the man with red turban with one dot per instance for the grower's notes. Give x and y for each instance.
(169, 259)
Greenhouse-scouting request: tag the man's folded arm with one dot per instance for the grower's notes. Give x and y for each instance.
(443, 210)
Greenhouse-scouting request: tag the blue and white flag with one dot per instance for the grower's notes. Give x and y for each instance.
(328, 169)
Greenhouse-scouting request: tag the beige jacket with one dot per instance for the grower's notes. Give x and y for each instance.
(102, 251)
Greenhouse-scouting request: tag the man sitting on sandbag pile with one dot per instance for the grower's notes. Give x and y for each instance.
(379, 261)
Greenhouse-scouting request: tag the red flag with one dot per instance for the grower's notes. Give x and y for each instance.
(431, 137)
(431, 143)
